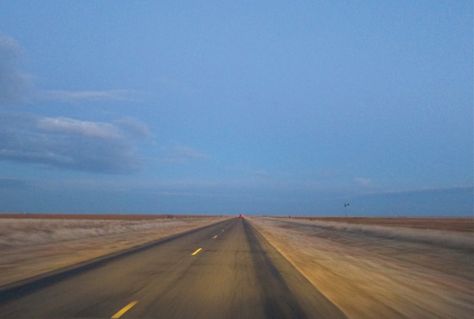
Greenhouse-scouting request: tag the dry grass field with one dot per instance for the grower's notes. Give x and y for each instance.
(34, 244)
(449, 224)
(382, 268)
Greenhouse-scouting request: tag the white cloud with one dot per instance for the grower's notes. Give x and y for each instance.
(16, 86)
(13, 83)
(10, 47)
(182, 154)
(64, 142)
(66, 125)
(363, 181)
(87, 95)
(68, 143)
(134, 127)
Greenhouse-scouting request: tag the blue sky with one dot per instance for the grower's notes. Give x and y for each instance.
(229, 106)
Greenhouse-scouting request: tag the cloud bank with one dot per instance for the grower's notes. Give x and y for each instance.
(16, 86)
(178, 154)
(62, 142)
(86, 96)
(13, 83)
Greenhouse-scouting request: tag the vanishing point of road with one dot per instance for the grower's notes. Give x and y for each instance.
(225, 270)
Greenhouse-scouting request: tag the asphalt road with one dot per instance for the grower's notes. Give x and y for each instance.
(227, 270)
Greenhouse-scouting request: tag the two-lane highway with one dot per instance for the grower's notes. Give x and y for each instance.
(227, 270)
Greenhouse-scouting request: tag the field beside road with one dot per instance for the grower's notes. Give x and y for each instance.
(258, 267)
(434, 223)
(382, 268)
(33, 244)
(224, 270)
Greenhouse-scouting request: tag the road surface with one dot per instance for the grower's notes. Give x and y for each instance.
(226, 270)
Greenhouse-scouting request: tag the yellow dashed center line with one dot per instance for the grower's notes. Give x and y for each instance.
(122, 311)
(196, 251)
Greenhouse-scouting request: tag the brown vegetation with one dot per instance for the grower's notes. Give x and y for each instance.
(96, 216)
(373, 271)
(450, 224)
(32, 246)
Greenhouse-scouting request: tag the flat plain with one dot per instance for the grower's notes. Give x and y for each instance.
(462, 224)
(222, 270)
(259, 267)
(382, 267)
(33, 244)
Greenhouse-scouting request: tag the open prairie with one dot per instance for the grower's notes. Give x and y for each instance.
(382, 267)
(433, 223)
(258, 267)
(32, 244)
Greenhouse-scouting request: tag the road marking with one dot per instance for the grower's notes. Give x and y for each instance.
(122, 311)
(196, 251)
(214, 237)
